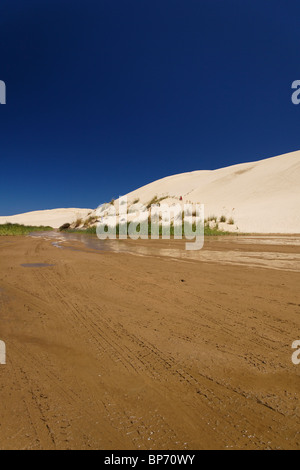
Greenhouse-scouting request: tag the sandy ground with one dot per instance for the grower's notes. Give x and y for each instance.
(116, 351)
(54, 218)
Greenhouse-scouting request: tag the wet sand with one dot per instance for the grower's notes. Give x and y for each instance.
(143, 346)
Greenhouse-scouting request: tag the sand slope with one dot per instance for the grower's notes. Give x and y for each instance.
(262, 197)
(53, 218)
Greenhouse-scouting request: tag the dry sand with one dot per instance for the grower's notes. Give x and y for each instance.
(115, 351)
(260, 197)
(54, 218)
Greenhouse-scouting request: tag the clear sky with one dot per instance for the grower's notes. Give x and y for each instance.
(104, 96)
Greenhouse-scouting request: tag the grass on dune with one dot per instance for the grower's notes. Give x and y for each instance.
(207, 231)
(16, 229)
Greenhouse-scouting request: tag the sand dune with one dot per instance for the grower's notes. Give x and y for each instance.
(53, 218)
(261, 197)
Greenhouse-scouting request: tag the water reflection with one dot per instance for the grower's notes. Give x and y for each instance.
(215, 249)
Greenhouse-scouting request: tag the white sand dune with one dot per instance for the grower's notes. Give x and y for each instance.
(53, 218)
(261, 197)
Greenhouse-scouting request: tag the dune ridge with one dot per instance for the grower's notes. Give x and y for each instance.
(260, 197)
(53, 218)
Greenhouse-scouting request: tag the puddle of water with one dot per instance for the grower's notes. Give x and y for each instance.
(273, 260)
(270, 240)
(57, 245)
(90, 241)
(37, 265)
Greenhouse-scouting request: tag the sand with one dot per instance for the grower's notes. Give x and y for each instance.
(119, 351)
(260, 197)
(53, 218)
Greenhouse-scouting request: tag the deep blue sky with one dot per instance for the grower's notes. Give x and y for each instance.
(104, 96)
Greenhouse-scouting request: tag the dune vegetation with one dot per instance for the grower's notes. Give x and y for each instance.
(17, 229)
(208, 230)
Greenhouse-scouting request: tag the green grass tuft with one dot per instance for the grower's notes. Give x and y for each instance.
(16, 229)
(78, 222)
(207, 230)
(156, 200)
